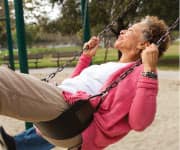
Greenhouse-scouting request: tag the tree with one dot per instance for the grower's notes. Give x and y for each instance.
(3, 36)
(101, 13)
(2, 25)
(164, 9)
(35, 12)
(70, 21)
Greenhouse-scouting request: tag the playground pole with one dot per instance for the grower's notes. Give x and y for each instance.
(9, 35)
(85, 20)
(21, 41)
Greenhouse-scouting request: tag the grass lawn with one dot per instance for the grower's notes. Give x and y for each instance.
(170, 60)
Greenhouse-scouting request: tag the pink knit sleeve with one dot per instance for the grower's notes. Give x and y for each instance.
(83, 62)
(143, 108)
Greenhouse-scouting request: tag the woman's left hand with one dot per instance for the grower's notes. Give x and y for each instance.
(150, 58)
(92, 46)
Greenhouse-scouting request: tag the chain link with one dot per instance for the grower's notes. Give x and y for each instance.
(61, 68)
(164, 37)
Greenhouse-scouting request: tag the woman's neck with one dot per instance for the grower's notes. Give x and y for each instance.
(127, 58)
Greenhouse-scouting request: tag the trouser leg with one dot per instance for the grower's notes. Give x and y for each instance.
(30, 140)
(27, 98)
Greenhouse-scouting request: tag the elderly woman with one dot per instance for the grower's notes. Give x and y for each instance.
(131, 105)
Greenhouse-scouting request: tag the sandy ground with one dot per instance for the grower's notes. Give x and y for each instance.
(163, 134)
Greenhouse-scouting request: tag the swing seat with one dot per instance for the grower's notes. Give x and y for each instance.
(70, 123)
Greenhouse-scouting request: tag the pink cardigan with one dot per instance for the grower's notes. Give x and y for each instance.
(129, 106)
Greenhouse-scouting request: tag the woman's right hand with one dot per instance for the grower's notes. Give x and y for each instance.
(91, 47)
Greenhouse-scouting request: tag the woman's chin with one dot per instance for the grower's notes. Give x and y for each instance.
(118, 46)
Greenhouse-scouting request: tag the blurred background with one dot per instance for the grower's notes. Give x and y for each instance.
(53, 26)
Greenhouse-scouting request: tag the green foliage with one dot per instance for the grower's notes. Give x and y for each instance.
(96, 29)
(56, 1)
(53, 27)
(175, 35)
(3, 37)
(168, 61)
(101, 13)
(31, 34)
(164, 9)
(80, 34)
(70, 22)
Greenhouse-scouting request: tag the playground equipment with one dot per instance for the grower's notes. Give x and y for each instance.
(24, 69)
(70, 122)
(9, 36)
(21, 40)
(86, 34)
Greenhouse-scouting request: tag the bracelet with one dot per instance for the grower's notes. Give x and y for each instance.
(152, 75)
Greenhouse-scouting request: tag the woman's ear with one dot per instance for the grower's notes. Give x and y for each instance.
(146, 44)
(141, 46)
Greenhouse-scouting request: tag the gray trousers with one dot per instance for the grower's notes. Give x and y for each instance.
(26, 98)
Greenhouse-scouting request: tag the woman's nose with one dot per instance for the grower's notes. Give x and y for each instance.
(123, 31)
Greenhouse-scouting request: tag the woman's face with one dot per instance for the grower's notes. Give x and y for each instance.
(131, 38)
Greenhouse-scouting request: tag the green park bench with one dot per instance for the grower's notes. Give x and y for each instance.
(60, 57)
(32, 58)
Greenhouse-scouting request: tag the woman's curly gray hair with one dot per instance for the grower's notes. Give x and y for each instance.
(155, 29)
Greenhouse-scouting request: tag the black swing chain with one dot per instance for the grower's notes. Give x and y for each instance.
(60, 69)
(103, 93)
(164, 37)
(100, 35)
(113, 84)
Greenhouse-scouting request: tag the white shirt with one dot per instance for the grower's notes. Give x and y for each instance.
(91, 78)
